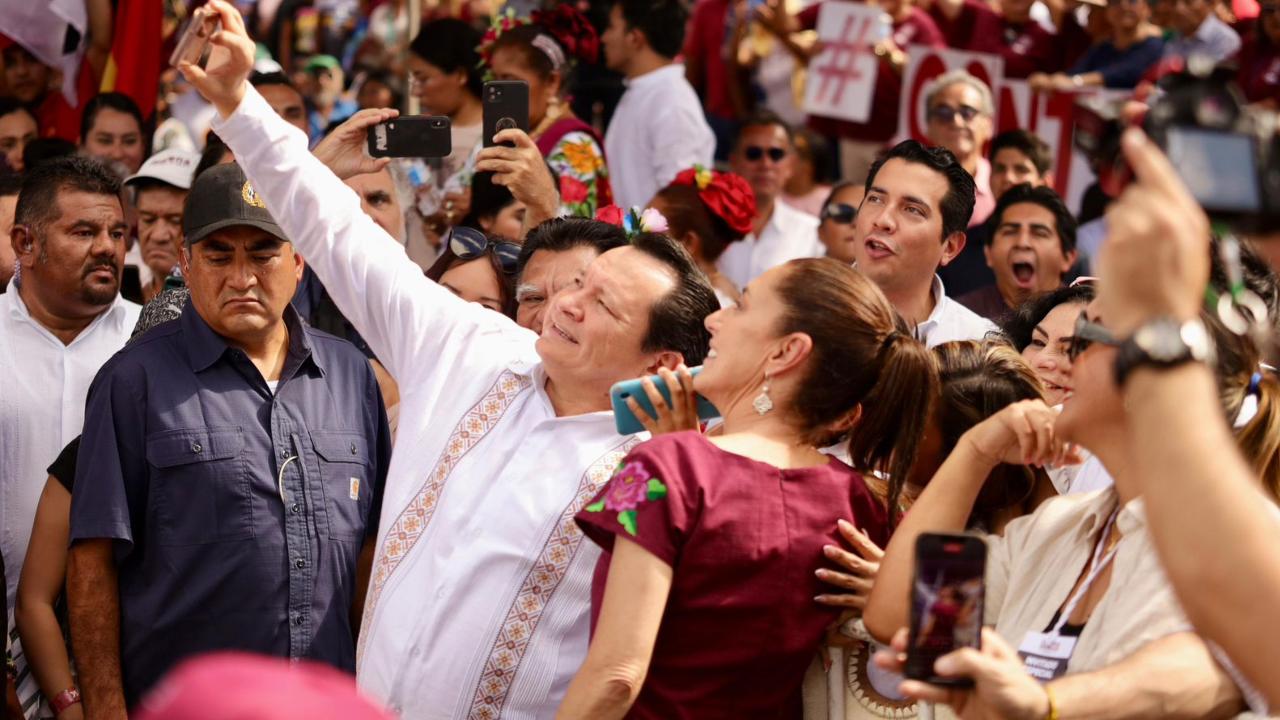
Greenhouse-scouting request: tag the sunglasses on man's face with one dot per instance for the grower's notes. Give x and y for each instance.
(1087, 333)
(469, 243)
(754, 153)
(947, 114)
(840, 213)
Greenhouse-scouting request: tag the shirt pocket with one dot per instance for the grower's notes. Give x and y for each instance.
(346, 481)
(200, 486)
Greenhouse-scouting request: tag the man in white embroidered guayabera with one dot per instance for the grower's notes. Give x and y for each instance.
(479, 602)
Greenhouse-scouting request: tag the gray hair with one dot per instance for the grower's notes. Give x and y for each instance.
(947, 79)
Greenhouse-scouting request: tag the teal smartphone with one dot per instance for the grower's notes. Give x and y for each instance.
(626, 421)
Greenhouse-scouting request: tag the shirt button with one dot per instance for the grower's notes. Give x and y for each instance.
(299, 563)
(295, 509)
(196, 448)
(353, 448)
(298, 619)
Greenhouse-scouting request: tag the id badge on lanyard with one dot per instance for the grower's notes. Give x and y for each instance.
(1045, 655)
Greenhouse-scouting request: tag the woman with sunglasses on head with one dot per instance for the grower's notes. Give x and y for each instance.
(837, 216)
(1076, 586)
(478, 268)
(544, 52)
(707, 210)
(704, 598)
(1040, 329)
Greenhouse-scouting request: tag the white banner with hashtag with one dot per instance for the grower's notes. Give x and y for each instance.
(843, 76)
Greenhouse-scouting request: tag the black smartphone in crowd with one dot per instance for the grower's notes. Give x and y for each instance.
(414, 136)
(947, 595)
(506, 105)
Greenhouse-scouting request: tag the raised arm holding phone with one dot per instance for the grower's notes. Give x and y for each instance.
(504, 433)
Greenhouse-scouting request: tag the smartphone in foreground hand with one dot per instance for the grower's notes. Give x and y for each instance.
(626, 421)
(193, 46)
(947, 595)
(505, 105)
(415, 136)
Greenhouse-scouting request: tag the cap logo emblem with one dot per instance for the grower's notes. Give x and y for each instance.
(251, 196)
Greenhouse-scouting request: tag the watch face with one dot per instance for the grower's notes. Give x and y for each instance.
(1162, 343)
(1196, 337)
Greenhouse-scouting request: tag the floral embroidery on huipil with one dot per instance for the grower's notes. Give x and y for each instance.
(631, 485)
(412, 521)
(539, 585)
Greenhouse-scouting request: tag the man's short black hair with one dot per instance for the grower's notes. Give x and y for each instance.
(114, 101)
(764, 118)
(275, 77)
(38, 199)
(450, 44)
(8, 106)
(678, 321)
(957, 203)
(661, 21)
(561, 234)
(1046, 198)
(214, 150)
(1027, 143)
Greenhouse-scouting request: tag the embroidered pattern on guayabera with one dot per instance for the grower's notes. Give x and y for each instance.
(412, 521)
(535, 592)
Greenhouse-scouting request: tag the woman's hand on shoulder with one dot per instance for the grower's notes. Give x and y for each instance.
(857, 570)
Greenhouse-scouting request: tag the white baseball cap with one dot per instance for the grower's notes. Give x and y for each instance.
(175, 167)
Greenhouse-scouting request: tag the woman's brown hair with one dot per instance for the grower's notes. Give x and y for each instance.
(978, 379)
(864, 357)
(685, 212)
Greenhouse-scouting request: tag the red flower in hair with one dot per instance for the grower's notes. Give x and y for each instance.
(572, 190)
(611, 214)
(726, 195)
(571, 29)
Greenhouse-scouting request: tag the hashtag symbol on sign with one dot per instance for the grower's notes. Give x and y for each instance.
(840, 67)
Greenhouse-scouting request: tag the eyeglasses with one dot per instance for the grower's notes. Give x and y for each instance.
(839, 213)
(469, 243)
(754, 153)
(947, 114)
(1087, 333)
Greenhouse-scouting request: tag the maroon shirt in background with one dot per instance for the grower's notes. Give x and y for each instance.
(744, 538)
(882, 125)
(706, 41)
(1259, 75)
(976, 28)
(1028, 48)
(1073, 40)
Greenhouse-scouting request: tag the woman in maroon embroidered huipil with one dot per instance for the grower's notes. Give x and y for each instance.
(704, 599)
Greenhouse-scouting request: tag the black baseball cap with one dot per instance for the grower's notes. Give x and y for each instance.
(222, 197)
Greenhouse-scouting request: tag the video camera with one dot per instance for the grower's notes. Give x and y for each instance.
(1227, 153)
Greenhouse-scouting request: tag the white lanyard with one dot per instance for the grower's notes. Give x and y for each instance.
(1099, 564)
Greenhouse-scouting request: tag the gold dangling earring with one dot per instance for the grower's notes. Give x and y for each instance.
(763, 403)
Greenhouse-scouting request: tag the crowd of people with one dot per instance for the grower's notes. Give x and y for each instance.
(290, 431)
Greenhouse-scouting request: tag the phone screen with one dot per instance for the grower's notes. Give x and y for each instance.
(946, 600)
(1218, 167)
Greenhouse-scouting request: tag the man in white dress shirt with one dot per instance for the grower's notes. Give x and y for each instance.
(480, 598)
(658, 128)
(60, 321)
(911, 222)
(764, 154)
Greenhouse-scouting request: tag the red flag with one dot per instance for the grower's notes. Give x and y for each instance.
(136, 53)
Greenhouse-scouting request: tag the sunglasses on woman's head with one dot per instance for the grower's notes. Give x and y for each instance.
(469, 243)
(840, 213)
(1087, 333)
(754, 153)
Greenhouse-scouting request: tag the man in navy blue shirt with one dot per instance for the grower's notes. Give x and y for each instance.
(230, 474)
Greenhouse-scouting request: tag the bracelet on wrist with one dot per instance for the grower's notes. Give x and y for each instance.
(64, 700)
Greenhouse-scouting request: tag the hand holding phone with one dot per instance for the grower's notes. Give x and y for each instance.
(634, 403)
(947, 595)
